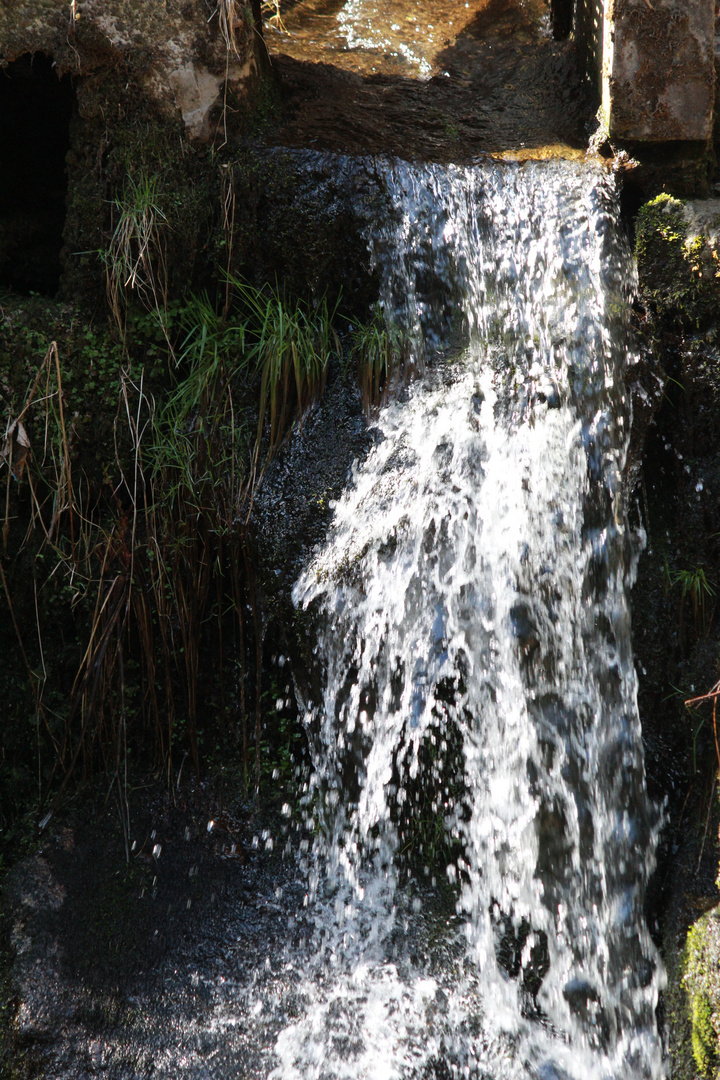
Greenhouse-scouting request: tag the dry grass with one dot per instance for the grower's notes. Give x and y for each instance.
(230, 14)
(271, 8)
(150, 578)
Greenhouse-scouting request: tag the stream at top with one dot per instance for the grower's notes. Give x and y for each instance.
(477, 699)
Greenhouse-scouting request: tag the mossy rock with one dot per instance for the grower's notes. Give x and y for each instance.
(142, 147)
(678, 263)
(700, 977)
(301, 219)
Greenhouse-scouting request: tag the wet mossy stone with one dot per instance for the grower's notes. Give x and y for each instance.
(678, 260)
(701, 981)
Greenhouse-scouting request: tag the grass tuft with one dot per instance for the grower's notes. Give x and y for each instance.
(380, 353)
(288, 346)
(135, 261)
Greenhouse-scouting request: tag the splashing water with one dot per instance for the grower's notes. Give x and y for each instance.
(478, 691)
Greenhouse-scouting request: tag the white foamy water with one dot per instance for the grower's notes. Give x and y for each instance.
(478, 691)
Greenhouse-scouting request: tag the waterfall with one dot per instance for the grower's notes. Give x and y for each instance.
(478, 694)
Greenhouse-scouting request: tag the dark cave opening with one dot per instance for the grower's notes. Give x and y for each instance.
(35, 110)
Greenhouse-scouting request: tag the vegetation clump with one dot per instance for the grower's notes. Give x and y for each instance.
(140, 551)
(379, 351)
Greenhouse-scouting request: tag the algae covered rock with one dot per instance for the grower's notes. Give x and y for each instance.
(701, 982)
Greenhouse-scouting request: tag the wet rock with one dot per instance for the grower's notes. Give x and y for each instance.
(295, 501)
(115, 974)
(524, 629)
(674, 463)
(701, 964)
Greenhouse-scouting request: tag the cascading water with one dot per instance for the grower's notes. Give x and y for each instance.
(474, 641)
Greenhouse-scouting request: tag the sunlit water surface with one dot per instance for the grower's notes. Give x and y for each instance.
(408, 37)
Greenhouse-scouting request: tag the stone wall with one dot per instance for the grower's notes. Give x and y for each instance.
(178, 55)
(152, 84)
(659, 83)
(652, 63)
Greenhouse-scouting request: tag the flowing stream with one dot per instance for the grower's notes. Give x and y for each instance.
(478, 703)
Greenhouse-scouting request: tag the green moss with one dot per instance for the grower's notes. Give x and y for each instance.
(704, 1040)
(255, 108)
(698, 974)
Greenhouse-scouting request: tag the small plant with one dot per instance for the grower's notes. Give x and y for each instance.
(379, 351)
(200, 433)
(135, 261)
(695, 587)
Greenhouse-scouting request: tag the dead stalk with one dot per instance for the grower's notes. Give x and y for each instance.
(228, 200)
(712, 695)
